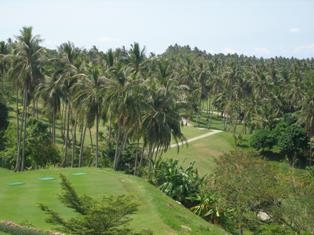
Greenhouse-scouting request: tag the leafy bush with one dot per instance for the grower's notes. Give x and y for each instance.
(3, 123)
(4, 112)
(293, 142)
(105, 216)
(247, 185)
(39, 151)
(270, 229)
(182, 184)
(262, 139)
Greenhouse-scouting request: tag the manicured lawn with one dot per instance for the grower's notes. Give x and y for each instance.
(203, 151)
(157, 212)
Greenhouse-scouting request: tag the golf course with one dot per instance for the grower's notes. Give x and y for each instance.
(156, 117)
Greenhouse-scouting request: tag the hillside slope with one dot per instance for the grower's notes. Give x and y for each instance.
(157, 212)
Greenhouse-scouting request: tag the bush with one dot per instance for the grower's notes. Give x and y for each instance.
(3, 123)
(278, 229)
(293, 142)
(39, 151)
(4, 112)
(263, 139)
(182, 184)
(247, 185)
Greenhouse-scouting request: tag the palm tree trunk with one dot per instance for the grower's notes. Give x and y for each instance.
(73, 143)
(97, 130)
(25, 101)
(67, 136)
(82, 138)
(110, 131)
(53, 126)
(136, 157)
(91, 139)
(63, 117)
(116, 155)
(142, 156)
(18, 129)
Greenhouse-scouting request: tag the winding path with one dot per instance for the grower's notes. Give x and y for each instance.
(212, 132)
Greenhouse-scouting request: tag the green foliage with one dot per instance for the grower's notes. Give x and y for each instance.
(7, 155)
(182, 184)
(293, 141)
(107, 216)
(248, 185)
(263, 139)
(271, 229)
(207, 205)
(39, 150)
(4, 111)
(3, 123)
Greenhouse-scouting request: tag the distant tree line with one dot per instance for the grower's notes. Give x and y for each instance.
(125, 97)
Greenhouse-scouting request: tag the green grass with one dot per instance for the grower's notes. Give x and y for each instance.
(157, 211)
(203, 151)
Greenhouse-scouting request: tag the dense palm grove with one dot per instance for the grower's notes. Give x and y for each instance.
(129, 105)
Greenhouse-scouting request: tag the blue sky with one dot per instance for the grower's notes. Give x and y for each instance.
(252, 27)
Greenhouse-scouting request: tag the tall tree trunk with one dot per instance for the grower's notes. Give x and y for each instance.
(82, 139)
(63, 124)
(116, 155)
(97, 134)
(53, 126)
(142, 156)
(25, 102)
(37, 109)
(67, 136)
(136, 157)
(73, 143)
(18, 129)
(91, 139)
(110, 131)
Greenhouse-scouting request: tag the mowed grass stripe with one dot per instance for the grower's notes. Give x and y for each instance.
(156, 211)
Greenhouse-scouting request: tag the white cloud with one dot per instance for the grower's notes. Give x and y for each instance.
(262, 50)
(294, 30)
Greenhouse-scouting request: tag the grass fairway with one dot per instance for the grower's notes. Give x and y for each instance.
(157, 212)
(203, 151)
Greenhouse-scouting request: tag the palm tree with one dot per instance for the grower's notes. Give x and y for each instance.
(29, 56)
(136, 57)
(161, 122)
(70, 60)
(90, 92)
(51, 94)
(124, 102)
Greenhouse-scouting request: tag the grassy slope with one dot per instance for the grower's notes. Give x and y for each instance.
(157, 211)
(203, 151)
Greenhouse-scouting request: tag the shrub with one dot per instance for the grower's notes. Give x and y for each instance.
(293, 142)
(3, 123)
(182, 184)
(39, 151)
(262, 139)
(3, 116)
(247, 185)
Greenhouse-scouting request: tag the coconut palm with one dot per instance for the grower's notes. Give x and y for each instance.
(124, 102)
(28, 55)
(90, 92)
